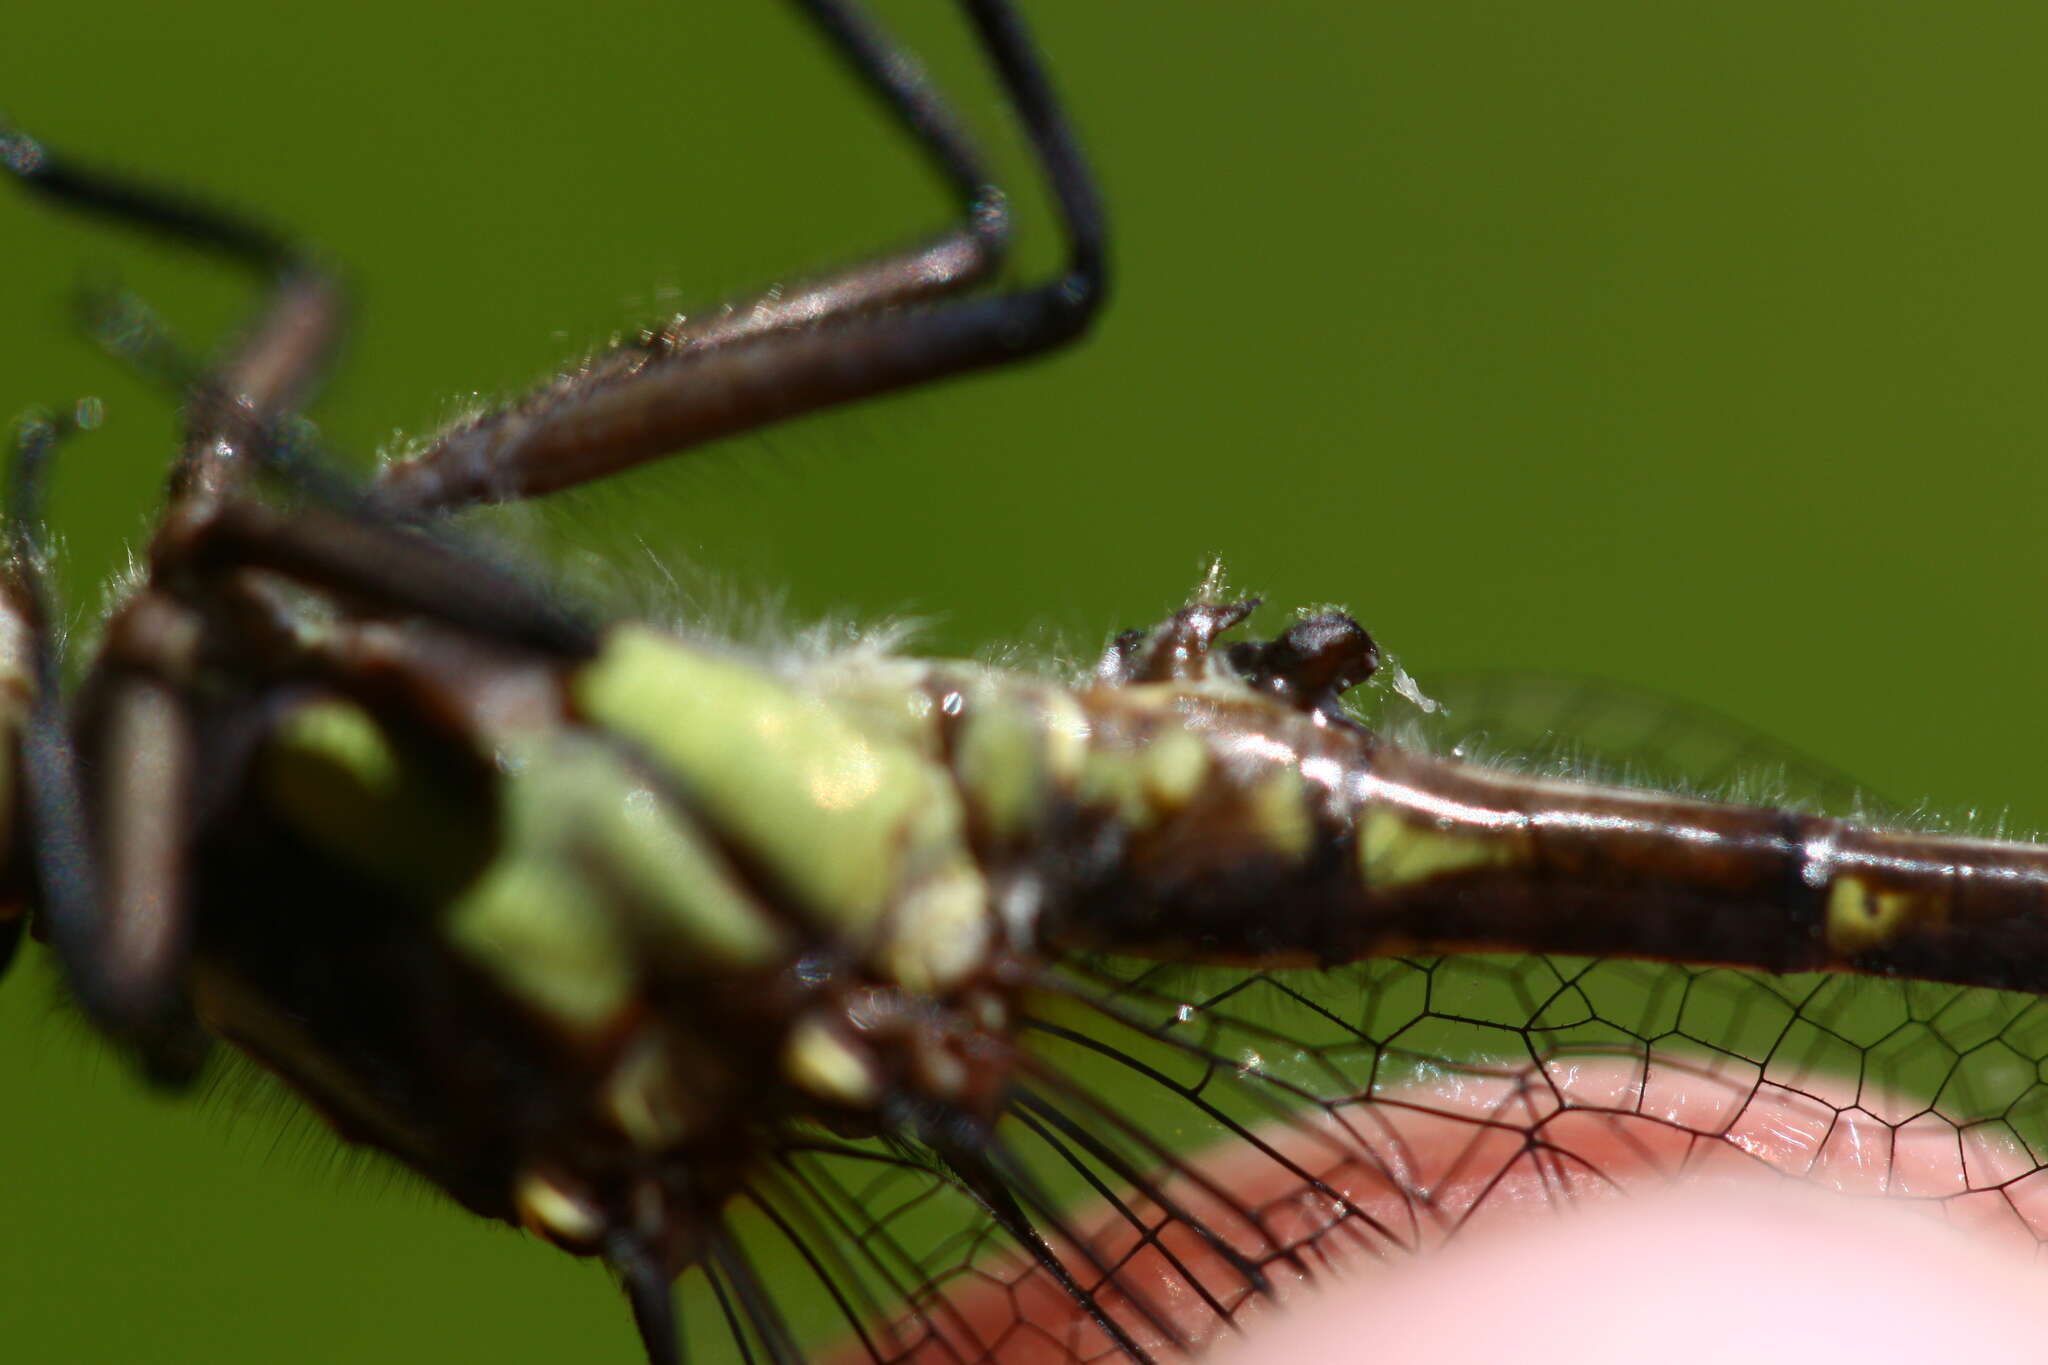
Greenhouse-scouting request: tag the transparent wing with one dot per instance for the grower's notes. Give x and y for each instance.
(1605, 732)
(1198, 1143)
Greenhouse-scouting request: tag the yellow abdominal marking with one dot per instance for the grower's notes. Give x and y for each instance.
(1002, 760)
(1394, 852)
(1114, 779)
(1861, 919)
(1017, 749)
(1067, 731)
(1173, 767)
(1279, 806)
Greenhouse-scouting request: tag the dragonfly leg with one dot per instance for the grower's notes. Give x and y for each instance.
(1003, 1189)
(646, 1282)
(140, 783)
(839, 339)
(272, 367)
(40, 774)
(367, 555)
(105, 852)
(48, 803)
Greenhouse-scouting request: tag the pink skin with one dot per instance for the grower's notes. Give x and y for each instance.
(1747, 1272)
(1737, 1247)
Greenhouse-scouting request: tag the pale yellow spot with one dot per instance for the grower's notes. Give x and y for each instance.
(940, 1074)
(1861, 918)
(854, 775)
(989, 1012)
(547, 1209)
(1174, 765)
(1394, 852)
(941, 932)
(1066, 736)
(1115, 779)
(935, 828)
(1280, 811)
(817, 1060)
(1001, 761)
(642, 1097)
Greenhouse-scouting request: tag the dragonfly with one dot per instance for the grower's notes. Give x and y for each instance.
(1368, 541)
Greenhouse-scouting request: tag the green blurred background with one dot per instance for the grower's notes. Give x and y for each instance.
(1694, 347)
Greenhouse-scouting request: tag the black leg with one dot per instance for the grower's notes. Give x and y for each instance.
(239, 417)
(63, 873)
(146, 208)
(648, 1292)
(756, 1303)
(642, 405)
(398, 568)
(1002, 1190)
(336, 539)
(23, 643)
(968, 253)
(105, 843)
(273, 366)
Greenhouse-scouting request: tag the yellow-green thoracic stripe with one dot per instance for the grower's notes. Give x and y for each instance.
(846, 819)
(573, 884)
(599, 883)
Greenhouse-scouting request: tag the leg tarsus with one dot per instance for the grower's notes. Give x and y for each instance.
(286, 346)
(650, 1295)
(153, 209)
(62, 873)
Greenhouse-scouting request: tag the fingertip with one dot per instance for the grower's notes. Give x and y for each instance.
(1724, 1274)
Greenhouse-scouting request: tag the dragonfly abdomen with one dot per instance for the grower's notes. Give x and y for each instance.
(1212, 808)
(1454, 857)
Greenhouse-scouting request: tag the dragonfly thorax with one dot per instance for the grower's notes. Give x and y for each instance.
(674, 911)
